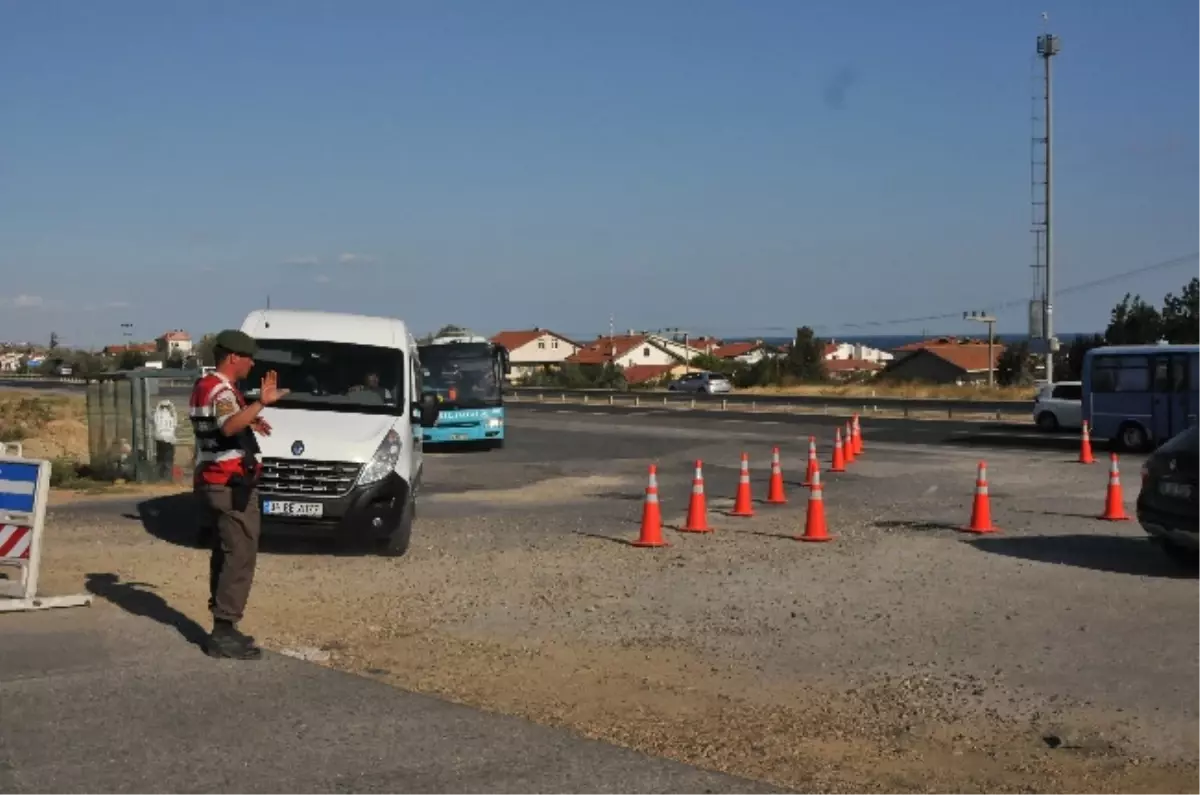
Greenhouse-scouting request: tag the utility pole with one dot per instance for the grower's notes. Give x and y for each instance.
(984, 317)
(687, 363)
(1042, 310)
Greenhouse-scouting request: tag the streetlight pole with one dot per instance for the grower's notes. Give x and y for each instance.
(687, 362)
(983, 317)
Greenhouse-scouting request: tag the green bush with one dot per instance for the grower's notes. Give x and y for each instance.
(65, 472)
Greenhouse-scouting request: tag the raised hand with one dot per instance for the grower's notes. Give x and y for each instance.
(270, 391)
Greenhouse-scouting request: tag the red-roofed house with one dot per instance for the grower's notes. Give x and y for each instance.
(643, 373)
(676, 347)
(705, 344)
(136, 347)
(744, 352)
(535, 349)
(942, 362)
(625, 350)
(175, 341)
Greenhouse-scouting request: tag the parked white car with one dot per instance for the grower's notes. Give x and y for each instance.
(1059, 406)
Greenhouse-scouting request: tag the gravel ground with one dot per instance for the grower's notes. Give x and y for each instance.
(1059, 655)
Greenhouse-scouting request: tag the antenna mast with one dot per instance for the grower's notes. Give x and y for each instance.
(1041, 307)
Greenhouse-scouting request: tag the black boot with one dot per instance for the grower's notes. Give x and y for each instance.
(225, 641)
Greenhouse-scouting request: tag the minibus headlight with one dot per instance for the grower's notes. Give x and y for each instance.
(384, 461)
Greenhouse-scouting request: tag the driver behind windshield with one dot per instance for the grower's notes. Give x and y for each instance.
(371, 385)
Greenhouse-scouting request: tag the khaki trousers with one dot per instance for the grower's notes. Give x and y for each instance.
(234, 550)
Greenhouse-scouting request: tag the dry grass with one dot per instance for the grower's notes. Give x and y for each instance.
(900, 390)
(54, 427)
(47, 426)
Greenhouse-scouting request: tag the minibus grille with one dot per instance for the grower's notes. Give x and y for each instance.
(308, 478)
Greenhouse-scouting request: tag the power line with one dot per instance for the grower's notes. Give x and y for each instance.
(1165, 264)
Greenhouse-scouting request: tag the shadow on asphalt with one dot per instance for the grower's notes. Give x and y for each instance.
(443, 448)
(135, 600)
(626, 542)
(175, 518)
(1118, 555)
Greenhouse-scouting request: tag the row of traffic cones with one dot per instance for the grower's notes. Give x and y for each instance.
(815, 528)
(1114, 500)
(845, 453)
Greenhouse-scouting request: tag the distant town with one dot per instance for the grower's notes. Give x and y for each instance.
(539, 354)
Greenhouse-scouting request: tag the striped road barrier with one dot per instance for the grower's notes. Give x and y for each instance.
(24, 489)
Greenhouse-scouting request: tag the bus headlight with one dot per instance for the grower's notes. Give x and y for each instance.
(384, 461)
(494, 422)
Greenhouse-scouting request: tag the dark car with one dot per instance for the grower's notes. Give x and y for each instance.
(1167, 503)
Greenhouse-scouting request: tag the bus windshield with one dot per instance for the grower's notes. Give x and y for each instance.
(462, 375)
(331, 376)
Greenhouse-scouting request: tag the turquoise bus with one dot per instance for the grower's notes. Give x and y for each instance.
(1139, 396)
(466, 373)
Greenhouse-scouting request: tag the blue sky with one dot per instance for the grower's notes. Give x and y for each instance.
(729, 167)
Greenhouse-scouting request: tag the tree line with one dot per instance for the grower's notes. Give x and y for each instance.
(85, 362)
(1133, 321)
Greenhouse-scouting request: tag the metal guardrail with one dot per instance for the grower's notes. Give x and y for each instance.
(7, 379)
(903, 406)
(18, 379)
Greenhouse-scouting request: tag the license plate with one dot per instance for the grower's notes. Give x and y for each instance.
(306, 509)
(1180, 491)
(458, 437)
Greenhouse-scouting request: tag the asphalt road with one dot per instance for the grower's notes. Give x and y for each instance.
(1049, 619)
(100, 700)
(956, 433)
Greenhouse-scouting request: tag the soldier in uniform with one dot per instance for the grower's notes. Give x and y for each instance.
(227, 470)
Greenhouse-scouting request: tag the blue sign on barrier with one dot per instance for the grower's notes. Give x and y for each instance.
(24, 489)
(18, 486)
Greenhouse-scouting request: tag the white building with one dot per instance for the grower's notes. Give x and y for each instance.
(534, 349)
(11, 362)
(175, 341)
(743, 352)
(839, 351)
(627, 350)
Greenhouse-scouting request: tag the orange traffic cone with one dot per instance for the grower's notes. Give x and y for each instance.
(743, 504)
(1085, 446)
(775, 495)
(651, 515)
(814, 522)
(839, 455)
(858, 444)
(1114, 504)
(813, 466)
(981, 511)
(697, 517)
(848, 445)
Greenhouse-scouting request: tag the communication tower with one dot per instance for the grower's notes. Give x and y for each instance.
(1041, 307)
